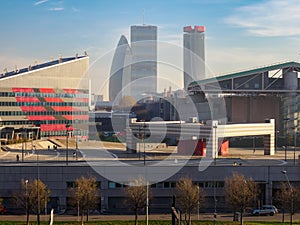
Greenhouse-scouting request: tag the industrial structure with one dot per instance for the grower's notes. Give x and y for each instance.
(251, 96)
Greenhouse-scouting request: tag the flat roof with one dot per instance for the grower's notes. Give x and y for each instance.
(39, 66)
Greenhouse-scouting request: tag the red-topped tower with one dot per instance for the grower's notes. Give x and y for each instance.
(193, 54)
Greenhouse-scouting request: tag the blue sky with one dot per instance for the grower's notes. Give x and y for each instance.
(239, 34)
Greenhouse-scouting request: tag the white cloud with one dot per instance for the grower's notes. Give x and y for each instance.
(56, 9)
(40, 2)
(270, 18)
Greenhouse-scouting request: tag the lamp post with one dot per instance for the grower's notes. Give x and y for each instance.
(26, 200)
(67, 143)
(284, 147)
(292, 196)
(144, 126)
(37, 186)
(198, 202)
(214, 177)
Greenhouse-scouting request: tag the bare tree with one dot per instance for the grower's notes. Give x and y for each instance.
(31, 196)
(240, 192)
(85, 195)
(288, 198)
(136, 196)
(188, 197)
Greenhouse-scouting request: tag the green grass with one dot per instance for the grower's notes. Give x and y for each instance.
(153, 222)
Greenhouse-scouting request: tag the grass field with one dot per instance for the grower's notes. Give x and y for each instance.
(153, 222)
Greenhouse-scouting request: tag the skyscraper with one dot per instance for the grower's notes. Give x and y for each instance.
(193, 54)
(144, 60)
(120, 74)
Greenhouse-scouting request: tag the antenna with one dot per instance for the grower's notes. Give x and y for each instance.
(143, 17)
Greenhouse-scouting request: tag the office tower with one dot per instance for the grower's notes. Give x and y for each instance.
(120, 75)
(144, 60)
(193, 54)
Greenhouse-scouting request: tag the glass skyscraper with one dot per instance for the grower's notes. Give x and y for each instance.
(144, 60)
(193, 54)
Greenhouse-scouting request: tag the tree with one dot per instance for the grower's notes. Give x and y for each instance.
(31, 196)
(188, 197)
(85, 195)
(288, 198)
(240, 192)
(136, 196)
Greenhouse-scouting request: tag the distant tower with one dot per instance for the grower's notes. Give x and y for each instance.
(120, 70)
(144, 59)
(193, 54)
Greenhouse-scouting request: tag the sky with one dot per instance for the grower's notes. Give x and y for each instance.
(240, 34)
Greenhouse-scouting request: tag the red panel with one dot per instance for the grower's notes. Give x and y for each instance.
(187, 29)
(41, 117)
(27, 99)
(54, 127)
(46, 90)
(200, 28)
(63, 108)
(76, 117)
(33, 108)
(71, 91)
(22, 90)
(49, 99)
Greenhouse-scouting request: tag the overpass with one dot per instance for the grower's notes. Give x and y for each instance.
(212, 132)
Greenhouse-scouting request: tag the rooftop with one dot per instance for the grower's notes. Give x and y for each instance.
(39, 66)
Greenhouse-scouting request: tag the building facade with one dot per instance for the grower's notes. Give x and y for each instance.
(41, 100)
(193, 54)
(144, 60)
(120, 72)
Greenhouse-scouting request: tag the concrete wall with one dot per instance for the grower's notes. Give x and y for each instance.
(56, 176)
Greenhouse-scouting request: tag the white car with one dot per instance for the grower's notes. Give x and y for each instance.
(265, 210)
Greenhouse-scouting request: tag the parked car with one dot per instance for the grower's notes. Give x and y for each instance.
(265, 210)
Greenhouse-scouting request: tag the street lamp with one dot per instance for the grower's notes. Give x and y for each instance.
(198, 202)
(214, 177)
(284, 147)
(144, 126)
(67, 143)
(26, 200)
(37, 185)
(292, 195)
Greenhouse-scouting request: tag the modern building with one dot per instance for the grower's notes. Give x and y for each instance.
(193, 54)
(144, 60)
(120, 73)
(39, 101)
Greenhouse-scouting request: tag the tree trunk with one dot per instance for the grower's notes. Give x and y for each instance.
(87, 215)
(241, 217)
(82, 215)
(136, 217)
(27, 218)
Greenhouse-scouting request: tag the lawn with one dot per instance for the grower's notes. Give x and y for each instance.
(153, 222)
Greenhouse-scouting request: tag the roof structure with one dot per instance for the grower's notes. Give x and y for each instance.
(38, 66)
(260, 78)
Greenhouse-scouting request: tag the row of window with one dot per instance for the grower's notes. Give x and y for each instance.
(84, 104)
(62, 133)
(38, 94)
(166, 185)
(26, 122)
(40, 113)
